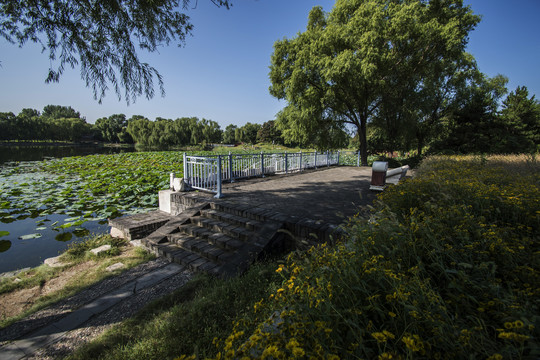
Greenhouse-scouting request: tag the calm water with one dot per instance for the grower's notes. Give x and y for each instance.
(16, 253)
(41, 152)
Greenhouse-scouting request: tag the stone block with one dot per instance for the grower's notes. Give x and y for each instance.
(136, 243)
(100, 249)
(115, 267)
(165, 201)
(117, 233)
(54, 262)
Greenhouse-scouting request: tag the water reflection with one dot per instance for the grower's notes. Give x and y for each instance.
(19, 249)
(31, 152)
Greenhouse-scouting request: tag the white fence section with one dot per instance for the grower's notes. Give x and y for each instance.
(208, 172)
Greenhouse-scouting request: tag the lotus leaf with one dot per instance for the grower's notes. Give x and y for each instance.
(30, 236)
(4, 245)
(65, 236)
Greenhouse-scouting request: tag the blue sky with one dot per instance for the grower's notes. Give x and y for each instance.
(222, 72)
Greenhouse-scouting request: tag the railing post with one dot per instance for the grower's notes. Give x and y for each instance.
(185, 168)
(231, 167)
(338, 153)
(300, 162)
(219, 193)
(315, 159)
(327, 158)
(262, 164)
(358, 159)
(286, 163)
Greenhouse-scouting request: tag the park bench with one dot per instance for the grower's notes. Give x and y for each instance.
(380, 175)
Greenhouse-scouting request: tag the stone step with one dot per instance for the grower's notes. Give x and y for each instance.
(212, 252)
(138, 226)
(193, 261)
(233, 230)
(219, 239)
(243, 210)
(222, 216)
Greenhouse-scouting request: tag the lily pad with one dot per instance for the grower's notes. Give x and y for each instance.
(65, 236)
(80, 232)
(4, 233)
(4, 245)
(30, 236)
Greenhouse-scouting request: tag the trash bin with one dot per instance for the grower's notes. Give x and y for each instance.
(378, 175)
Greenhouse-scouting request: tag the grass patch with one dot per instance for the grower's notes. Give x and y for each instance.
(186, 321)
(90, 270)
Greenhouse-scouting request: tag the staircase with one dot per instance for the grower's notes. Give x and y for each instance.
(216, 237)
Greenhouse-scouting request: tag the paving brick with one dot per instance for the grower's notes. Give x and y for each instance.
(214, 253)
(195, 265)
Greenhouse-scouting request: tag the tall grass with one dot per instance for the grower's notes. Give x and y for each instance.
(446, 267)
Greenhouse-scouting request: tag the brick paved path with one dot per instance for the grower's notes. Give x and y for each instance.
(330, 194)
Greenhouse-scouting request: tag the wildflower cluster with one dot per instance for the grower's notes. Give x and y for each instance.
(446, 267)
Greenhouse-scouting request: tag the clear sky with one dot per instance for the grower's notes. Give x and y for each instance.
(222, 72)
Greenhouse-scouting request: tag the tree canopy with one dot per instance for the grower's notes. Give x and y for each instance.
(363, 54)
(100, 36)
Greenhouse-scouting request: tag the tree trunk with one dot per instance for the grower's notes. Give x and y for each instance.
(363, 142)
(420, 145)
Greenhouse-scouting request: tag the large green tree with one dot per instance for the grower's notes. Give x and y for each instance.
(103, 37)
(340, 69)
(228, 134)
(521, 118)
(114, 129)
(247, 133)
(59, 111)
(269, 133)
(475, 126)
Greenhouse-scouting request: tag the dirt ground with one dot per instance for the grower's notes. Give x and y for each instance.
(18, 301)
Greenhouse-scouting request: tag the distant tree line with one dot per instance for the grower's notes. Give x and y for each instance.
(63, 123)
(475, 119)
(57, 123)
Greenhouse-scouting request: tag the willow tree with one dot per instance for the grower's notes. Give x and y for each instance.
(103, 37)
(339, 70)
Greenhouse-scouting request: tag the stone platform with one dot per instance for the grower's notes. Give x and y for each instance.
(327, 194)
(255, 216)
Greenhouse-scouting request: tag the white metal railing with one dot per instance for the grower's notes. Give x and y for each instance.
(208, 172)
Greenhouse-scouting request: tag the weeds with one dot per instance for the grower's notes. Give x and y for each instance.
(444, 268)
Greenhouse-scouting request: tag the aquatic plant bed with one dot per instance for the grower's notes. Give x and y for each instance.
(63, 199)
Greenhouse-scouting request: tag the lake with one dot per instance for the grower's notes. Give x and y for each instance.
(31, 237)
(36, 152)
